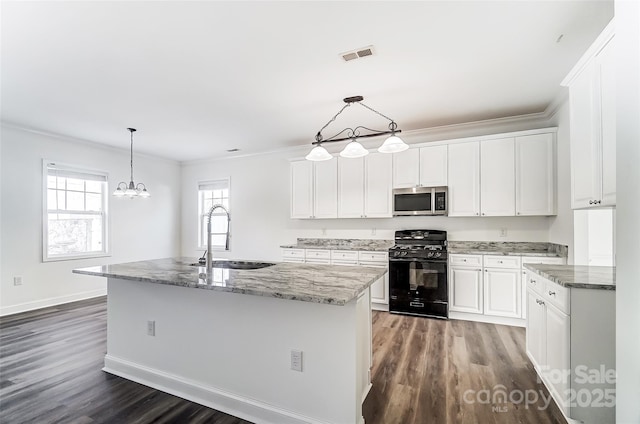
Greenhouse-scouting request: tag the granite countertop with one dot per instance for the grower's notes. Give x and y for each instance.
(508, 248)
(578, 276)
(341, 244)
(330, 284)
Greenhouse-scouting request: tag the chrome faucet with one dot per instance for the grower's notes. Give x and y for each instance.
(226, 244)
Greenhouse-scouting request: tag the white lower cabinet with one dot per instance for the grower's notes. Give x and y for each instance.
(502, 292)
(465, 290)
(570, 337)
(491, 287)
(534, 260)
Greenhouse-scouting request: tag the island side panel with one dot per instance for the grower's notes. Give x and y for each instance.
(232, 352)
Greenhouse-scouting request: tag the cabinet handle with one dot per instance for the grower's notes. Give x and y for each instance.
(552, 293)
(499, 262)
(591, 202)
(599, 201)
(539, 302)
(533, 282)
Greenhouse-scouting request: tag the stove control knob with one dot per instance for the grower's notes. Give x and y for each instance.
(437, 254)
(404, 253)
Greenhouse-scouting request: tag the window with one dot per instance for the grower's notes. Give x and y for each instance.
(213, 193)
(75, 213)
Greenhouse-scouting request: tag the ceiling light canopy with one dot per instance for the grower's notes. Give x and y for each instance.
(354, 149)
(131, 190)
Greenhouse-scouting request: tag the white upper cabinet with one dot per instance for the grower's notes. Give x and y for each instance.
(464, 179)
(605, 62)
(301, 189)
(378, 201)
(406, 168)
(426, 167)
(325, 182)
(497, 177)
(433, 166)
(535, 175)
(592, 98)
(350, 188)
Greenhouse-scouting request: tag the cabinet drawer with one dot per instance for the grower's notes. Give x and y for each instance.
(557, 295)
(344, 256)
(312, 254)
(293, 253)
(502, 261)
(535, 282)
(466, 260)
(367, 256)
(543, 260)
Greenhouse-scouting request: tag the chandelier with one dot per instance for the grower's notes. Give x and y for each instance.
(354, 149)
(132, 190)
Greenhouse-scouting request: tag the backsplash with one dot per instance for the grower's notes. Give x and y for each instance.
(515, 247)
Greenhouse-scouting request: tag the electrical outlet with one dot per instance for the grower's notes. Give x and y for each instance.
(296, 360)
(324, 231)
(503, 232)
(151, 328)
(373, 231)
(17, 280)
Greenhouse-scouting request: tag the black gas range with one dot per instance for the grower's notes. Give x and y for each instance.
(418, 273)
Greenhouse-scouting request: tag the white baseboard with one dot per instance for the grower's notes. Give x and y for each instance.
(380, 306)
(52, 301)
(516, 322)
(212, 397)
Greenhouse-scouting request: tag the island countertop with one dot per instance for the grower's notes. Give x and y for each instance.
(578, 276)
(330, 284)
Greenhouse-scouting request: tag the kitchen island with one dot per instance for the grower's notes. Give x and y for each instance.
(228, 342)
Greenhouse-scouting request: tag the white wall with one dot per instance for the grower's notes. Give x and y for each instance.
(140, 229)
(627, 212)
(260, 220)
(561, 226)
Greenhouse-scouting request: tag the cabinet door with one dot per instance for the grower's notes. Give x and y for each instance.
(502, 292)
(433, 166)
(464, 179)
(406, 168)
(585, 173)
(536, 330)
(607, 96)
(325, 182)
(557, 329)
(535, 175)
(350, 188)
(497, 177)
(465, 292)
(301, 189)
(380, 290)
(378, 186)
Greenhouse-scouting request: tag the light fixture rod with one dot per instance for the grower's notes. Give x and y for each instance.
(131, 130)
(332, 140)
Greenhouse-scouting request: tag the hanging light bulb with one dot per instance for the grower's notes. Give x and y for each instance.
(393, 144)
(354, 150)
(318, 154)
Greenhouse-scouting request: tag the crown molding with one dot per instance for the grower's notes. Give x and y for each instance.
(71, 139)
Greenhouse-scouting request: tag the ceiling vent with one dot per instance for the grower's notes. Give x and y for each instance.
(357, 54)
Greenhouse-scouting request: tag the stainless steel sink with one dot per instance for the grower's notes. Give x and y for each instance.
(237, 264)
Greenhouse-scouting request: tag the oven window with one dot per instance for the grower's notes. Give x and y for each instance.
(412, 202)
(418, 279)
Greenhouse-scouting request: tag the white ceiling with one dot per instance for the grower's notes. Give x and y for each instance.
(198, 78)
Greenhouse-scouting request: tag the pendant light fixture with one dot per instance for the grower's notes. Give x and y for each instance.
(354, 149)
(132, 190)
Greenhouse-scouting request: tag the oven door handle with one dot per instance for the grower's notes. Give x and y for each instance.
(431, 260)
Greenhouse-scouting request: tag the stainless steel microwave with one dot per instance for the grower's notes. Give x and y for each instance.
(420, 201)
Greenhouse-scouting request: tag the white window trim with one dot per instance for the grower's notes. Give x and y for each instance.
(201, 219)
(45, 215)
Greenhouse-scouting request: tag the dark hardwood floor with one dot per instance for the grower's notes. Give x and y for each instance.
(51, 360)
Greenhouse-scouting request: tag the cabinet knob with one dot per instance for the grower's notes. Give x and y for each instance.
(464, 260)
(552, 293)
(517, 213)
(482, 213)
(477, 213)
